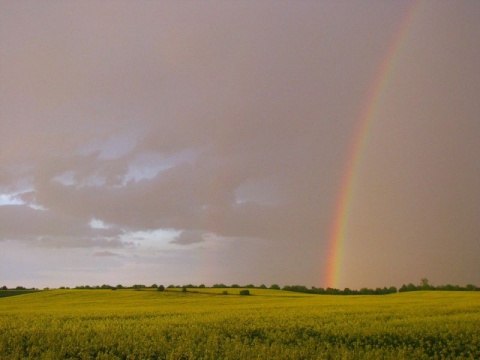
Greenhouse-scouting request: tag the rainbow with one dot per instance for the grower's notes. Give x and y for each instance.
(340, 223)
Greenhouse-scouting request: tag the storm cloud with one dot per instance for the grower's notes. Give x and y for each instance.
(220, 132)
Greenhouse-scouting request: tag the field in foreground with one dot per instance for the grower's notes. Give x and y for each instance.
(269, 324)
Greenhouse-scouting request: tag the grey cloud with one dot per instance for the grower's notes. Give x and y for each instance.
(104, 254)
(51, 229)
(79, 242)
(187, 237)
(265, 98)
(21, 220)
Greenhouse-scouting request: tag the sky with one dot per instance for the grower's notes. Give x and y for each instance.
(177, 142)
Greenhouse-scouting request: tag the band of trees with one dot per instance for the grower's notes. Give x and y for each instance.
(424, 285)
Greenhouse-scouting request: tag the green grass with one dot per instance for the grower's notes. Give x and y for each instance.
(269, 324)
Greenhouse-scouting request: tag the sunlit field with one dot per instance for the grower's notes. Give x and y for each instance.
(268, 324)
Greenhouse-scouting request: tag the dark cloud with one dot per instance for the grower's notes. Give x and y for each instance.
(187, 237)
(79, 242)
(46, 228)
(236, 119)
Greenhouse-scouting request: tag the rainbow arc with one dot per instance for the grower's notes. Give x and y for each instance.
(368, 114)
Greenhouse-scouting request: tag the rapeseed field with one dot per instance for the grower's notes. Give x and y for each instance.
(268, 324)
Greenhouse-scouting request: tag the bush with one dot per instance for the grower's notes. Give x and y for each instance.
(245, 292)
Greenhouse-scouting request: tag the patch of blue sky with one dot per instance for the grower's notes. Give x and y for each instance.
(149, 165)
(16, 199)
(98, 224)
(66, 179)
(10, 199)
(159, 239)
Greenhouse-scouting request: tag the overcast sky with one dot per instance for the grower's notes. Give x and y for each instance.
(176, 142)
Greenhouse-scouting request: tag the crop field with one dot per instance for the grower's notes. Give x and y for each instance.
(5, 293)
(268, 324)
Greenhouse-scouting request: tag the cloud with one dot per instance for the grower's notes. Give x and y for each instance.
(80, 242)
(46, 228)
(188, 237)
(104, 254)
(166, 140)
(234, 119)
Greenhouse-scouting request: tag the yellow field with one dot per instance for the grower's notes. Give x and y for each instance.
(270, 324)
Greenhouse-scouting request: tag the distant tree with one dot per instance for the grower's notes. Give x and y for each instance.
(250, 286)
(184, 289)
(450, 287)
(411, 287)
(275, 287)
(4, 287)
(154, 286)
(244, 292)
(424, 285)
(20, 288)
(392, 290)
(332, 291)
(170, 286)
(235, 286)
(161, 288)
(366, 291)
(119, 286)
(296, 288)
(202, 286)
(347, 291)
(263, 286)
(219, 285)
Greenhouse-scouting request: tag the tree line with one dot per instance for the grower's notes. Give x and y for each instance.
(334, 291)
(424, 285)
(17, 288)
